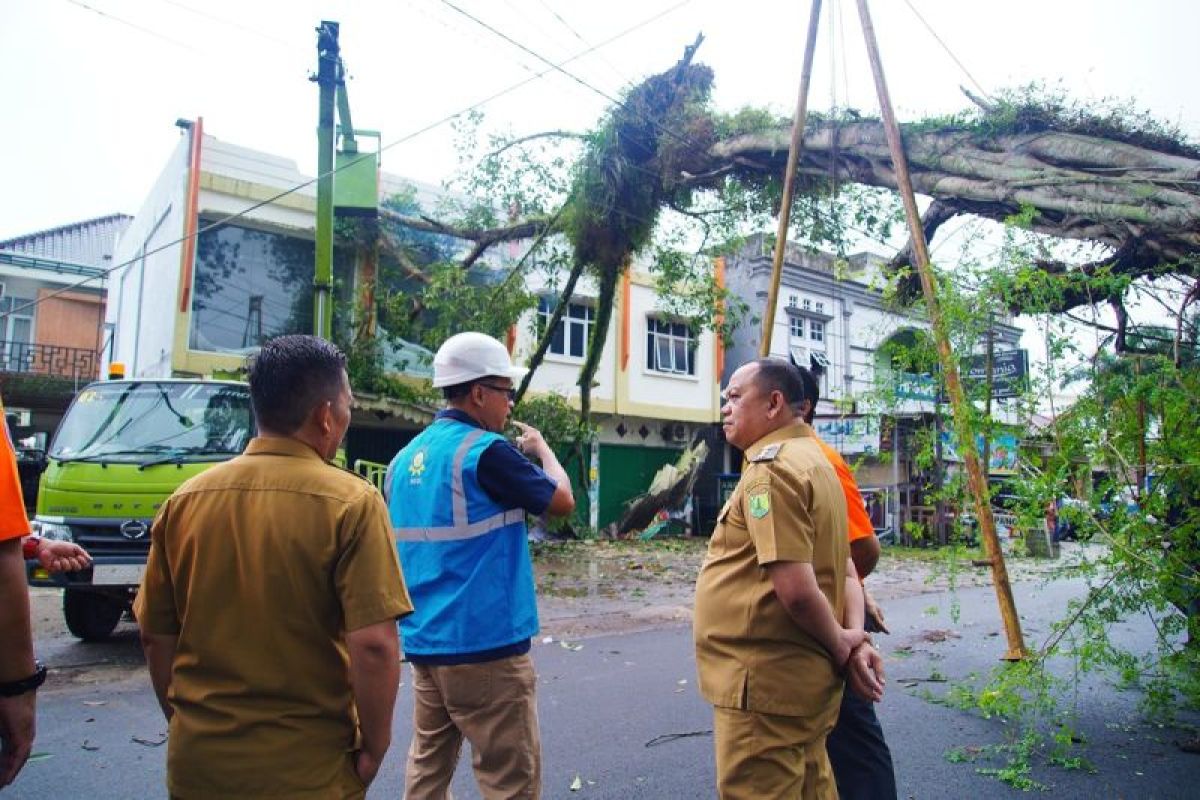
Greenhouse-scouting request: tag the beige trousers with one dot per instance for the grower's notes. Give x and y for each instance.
(765, 755)
(493, 705)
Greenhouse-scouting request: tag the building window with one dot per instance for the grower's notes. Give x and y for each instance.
(574, 330)
(816, 330)
(793, 301)
(16, 335)
(796, 327)
(820, 307)
(670, 347)
(251, 285)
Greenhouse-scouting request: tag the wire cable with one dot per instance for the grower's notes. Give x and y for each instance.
(103, 275)
(949, 52)
(134, 25)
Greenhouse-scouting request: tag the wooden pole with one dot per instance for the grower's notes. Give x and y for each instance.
(966, 444)
(789, 178)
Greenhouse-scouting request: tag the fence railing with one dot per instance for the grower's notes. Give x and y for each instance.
(73, 363)
(372, 471)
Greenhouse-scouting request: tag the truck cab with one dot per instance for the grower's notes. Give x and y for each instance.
(122, 448)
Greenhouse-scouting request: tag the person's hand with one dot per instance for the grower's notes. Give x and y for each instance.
(873, 611)
(864, 673)
(367, 766)
(848, 640)
(58, 556)
(529, 441)
(16, 734)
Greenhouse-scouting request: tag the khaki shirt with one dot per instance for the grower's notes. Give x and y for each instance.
(750, 654)
(259, 566)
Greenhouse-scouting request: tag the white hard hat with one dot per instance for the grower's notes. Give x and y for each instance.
(469, 356)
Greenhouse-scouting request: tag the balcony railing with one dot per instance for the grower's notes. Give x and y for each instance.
(72, 363)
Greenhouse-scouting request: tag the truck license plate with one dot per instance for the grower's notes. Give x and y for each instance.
(117, 574)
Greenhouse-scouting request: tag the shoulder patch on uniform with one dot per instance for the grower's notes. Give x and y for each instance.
(759, 502)
(768, 453)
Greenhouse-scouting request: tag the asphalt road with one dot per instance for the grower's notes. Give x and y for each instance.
(621, 712)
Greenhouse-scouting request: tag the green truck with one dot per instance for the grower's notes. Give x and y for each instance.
(121, 449)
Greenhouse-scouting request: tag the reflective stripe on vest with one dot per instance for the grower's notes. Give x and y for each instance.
(461, 529)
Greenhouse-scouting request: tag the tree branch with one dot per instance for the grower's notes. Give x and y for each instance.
(520, 140)
(482, 237)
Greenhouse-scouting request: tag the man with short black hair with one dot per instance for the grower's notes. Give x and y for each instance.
(269, 604)
(458, 495)
(774, 597)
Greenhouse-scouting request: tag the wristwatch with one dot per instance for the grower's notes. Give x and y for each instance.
(14, 688)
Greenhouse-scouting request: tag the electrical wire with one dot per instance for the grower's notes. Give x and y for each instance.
(103, 275)
(291, 46)
(134, 25)
(949, 52)
(625, 80)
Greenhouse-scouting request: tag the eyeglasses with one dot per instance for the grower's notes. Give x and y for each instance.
(508, 390)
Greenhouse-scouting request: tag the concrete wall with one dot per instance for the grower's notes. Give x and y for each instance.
(144, 293)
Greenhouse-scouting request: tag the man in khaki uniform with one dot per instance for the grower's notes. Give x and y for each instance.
(269, 604)
(771, 599)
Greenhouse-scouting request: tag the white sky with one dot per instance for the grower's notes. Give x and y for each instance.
(90, 100)
(92, 88)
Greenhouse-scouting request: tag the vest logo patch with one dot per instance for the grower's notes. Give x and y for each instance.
(760, 504)
(417, 467)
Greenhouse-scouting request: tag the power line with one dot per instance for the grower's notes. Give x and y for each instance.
(624, 78)
(292, 46)
(949, 52)
(408, 137)
(559, 67)
(134, 25)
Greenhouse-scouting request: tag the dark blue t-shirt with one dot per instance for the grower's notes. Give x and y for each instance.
(507, 476)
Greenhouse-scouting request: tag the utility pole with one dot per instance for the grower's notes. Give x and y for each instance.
(789, 179)
(329, 68)
(1008, 611)
(989, 380)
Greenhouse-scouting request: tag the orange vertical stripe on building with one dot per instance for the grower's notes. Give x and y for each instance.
(191, 220)
(626, 314)
(13, 522)
(719, 343)
(510, 338)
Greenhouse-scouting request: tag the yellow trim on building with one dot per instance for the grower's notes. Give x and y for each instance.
(257, 192)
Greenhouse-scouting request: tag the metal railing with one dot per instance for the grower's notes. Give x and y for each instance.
(53, 360)
(372, 471)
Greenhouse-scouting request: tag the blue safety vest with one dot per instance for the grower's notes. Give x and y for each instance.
(465, 557)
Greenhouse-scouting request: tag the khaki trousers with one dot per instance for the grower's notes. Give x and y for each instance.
(493, 705)
(769, 756)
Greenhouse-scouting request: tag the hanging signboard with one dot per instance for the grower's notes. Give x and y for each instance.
(1010, 372)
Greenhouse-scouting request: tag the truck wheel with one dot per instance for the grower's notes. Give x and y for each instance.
(91, 616)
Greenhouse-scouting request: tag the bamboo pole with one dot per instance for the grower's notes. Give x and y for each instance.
(966, 444)
(789, 178)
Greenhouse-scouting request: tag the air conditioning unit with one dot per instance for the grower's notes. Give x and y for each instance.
(675, 432)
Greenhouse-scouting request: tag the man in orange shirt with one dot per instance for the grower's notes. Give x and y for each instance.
(862, 762)
(20, 674)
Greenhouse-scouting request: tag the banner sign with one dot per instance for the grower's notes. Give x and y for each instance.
(849, 435)
(1010, 370)
(1002, 456)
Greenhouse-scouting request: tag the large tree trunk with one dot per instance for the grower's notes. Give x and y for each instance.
(1142, 203)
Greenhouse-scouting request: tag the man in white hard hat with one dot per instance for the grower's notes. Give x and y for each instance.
(458, 495)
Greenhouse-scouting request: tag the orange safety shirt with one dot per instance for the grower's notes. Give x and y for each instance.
(13, 522)
(856, 509)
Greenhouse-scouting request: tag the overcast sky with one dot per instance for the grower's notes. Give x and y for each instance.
(92, 88)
